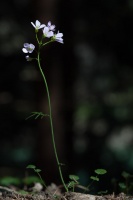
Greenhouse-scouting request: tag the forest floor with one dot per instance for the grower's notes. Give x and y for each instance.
(9, 194)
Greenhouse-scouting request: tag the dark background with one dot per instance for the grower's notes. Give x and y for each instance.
(90, 78)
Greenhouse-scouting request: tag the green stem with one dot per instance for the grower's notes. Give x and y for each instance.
(37, 38)
(41, 179)
(48, 42)
(51, 123)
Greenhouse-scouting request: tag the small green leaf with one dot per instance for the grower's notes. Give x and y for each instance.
(23, 192)
(94, 178)
(71, 184)
(74, 177)
(31, 179)
(100, 171)
(38, 170)
(122, 185)
(9, 180)
(125, 174)
(31, 167)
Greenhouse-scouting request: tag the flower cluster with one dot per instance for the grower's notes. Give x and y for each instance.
(48, 32)
(28, 48)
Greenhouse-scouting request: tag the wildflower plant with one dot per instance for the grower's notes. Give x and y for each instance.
(48, 36)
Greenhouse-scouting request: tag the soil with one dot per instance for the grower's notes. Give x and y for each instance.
(10, 194)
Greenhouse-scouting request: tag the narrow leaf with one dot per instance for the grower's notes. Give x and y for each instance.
(30, 116)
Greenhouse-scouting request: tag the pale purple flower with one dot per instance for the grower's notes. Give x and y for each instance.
(28, 58)
(28, 48)
(58, 37)
(47, 33)
(38, 25)
(51, 27)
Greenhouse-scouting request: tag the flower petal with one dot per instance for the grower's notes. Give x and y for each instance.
(45, 30)
(49, 23)
(26, 45)
(52, 27)
(59, 35)
(37, 23)
(33, 24)
(50, 34)
(42, 26)
(31, 46)
(60, 40)
(24, 50)
(28, 58)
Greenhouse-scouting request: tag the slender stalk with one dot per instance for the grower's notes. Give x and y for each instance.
(37, 38)
(41, 179)
(51, 122)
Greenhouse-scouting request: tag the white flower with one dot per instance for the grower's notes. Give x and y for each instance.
(38, 25)
(28, 58)
(51, 27)
(58, 37)
(47, 33)
(28, 48)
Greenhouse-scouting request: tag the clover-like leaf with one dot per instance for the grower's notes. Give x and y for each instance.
(38, 170)
(31, 179)
(9, 180)
(122, 185)
(71, 184)
(23, 192)
(74, 177)
(126, 175)
(94, 178)
(31, 167)
(100, 171)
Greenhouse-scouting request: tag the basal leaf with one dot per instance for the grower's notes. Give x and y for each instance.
(71, 184)
(74, 177)
(94, 178)
(31, 167)
(100, 171)
(122, 185)
(38, 170)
